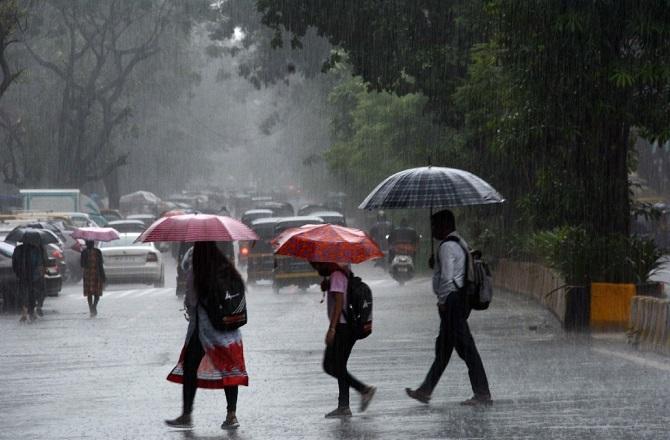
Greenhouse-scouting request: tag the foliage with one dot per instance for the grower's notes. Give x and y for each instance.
(582, 75)
(405, 46)
(583, 258)
(379, 133)
(265, 57)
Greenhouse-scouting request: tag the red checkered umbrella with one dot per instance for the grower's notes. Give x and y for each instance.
(197, 227)
(327, 243)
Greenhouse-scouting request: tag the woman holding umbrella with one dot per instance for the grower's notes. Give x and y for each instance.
(210, 358)
(92, 263)
(94, 276)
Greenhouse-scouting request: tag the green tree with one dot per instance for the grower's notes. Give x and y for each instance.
(584, 78)
(379, 133)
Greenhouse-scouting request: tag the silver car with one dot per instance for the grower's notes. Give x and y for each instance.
(126, 261)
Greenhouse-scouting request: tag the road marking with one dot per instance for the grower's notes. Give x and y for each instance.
(635, 359)
(124, 293)
(159, 291)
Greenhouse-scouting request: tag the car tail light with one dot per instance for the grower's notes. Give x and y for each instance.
(152, 258)
(244, 251)
(57, 254)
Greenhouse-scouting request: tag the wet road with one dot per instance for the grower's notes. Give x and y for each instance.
(71, 377)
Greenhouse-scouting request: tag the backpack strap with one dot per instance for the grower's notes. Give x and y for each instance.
(468, 259)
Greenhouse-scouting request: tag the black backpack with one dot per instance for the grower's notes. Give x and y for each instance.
(478, 281)
(359, 307)
(226, 306)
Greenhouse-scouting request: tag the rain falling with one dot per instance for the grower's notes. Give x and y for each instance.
(203, 201)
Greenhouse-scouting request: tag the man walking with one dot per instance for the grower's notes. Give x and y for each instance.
(448, 282)
(28, 263)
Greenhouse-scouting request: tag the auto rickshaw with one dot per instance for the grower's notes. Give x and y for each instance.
(260, 258)
(247, 218)
(289, 270)
(280, 209)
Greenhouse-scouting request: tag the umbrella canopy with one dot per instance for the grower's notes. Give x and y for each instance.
(431, 187)
(197, 227)
(327, 243)
(96, 234)
(33, 236)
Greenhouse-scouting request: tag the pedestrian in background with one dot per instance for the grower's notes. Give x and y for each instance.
(210, 358)
(29, 264)
(94, 276)
(340, 339)
(448, 284)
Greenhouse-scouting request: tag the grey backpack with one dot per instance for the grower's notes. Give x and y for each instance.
(478, 279)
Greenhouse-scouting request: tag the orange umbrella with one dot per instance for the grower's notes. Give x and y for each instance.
(327, 243)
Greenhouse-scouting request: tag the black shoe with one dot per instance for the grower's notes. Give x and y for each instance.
(40, 312)
(341, 412)
(419, 395)
(366, 397)
(230, 423)
(183, 421)
(478, 400)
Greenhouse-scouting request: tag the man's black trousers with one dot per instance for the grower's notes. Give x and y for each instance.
(455, 333)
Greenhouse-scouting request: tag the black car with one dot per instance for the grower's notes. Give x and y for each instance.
(8, 281)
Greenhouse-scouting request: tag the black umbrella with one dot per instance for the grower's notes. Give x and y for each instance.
(18, 235)
(431, 187)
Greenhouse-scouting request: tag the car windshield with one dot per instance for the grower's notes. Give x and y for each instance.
(123, 241)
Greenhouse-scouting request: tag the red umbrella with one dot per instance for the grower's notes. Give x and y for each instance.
(327, 243)
(197, 227)
(96, 234)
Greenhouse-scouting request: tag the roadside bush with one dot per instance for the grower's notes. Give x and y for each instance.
(582, 258)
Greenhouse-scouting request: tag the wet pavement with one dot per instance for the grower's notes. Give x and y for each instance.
(70, 377)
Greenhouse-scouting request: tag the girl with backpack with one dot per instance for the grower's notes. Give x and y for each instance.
(211, 358)
(340, 339)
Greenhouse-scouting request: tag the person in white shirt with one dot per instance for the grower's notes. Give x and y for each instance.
(448, 283)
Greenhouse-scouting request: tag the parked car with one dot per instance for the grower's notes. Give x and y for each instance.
(312, 208)
(279, 209)
(253, 214)
(127, 226)
(126, 261)
(111, 215)
(147, 219)
(8, 281)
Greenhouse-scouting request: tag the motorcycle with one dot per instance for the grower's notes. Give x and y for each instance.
(402, 262)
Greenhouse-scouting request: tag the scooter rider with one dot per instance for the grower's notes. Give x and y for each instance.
(380, 231)
(403, 234)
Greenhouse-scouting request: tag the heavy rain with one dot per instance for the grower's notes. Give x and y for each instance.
(357, 219)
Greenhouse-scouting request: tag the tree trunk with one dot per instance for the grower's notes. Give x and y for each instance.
(113, 191)
(610, 213)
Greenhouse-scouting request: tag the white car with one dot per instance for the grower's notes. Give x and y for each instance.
(126, 261)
